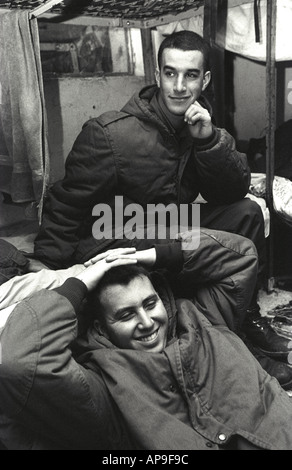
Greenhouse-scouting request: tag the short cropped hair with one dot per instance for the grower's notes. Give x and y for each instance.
(119, 275)
(186, 41)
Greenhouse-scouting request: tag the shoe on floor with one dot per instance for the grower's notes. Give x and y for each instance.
(259, 331)
(281, 371)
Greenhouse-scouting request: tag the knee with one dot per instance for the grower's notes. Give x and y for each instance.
(252, 208)
(251, 211)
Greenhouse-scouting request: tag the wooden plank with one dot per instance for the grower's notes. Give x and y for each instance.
(83, 20)
(148, 56)
(210, 20)
(43, 8)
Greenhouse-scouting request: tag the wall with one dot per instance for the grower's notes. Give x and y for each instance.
(249, 98)
(72, 101)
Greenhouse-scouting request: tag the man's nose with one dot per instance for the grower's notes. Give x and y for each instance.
(180, 84)
(145, 320)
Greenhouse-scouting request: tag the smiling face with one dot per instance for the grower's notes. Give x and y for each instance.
(181, 78)
(134, 316)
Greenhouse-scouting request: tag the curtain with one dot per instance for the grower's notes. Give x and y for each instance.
(24, 156)
(238, 34)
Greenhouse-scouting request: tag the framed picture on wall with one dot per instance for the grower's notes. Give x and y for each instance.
(82, 50)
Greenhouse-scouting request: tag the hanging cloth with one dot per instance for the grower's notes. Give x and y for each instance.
(23, 119)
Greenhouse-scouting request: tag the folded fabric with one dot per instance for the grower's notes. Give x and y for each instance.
(12, 262)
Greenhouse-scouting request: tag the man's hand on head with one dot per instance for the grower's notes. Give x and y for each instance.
(199, 121)
(96, 267)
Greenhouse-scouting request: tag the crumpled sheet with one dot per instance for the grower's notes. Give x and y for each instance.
(266, 213)
(282, 321)
(282, 193)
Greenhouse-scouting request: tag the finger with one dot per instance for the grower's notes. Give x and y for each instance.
(121, 262)
(96, 259)
(194, 119)
(115, 256)
(124, 250)
(194, 109)
(108, 253)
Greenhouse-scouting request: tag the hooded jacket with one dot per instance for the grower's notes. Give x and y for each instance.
(136, 154)
(204, 391)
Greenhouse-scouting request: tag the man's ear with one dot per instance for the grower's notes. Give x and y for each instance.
(100, 329)
(206, 80)
(157, 77)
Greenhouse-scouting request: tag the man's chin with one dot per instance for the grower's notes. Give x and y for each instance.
(177, 110)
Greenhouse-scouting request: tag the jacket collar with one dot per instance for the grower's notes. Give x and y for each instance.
(176, 123)
(141, 106)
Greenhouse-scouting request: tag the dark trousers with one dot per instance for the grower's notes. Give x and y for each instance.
(243, 218)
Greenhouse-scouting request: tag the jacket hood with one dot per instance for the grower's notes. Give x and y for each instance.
(139, 104)
(92, 339)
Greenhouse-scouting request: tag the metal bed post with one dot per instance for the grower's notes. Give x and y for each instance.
(270, 130)
(212, 8)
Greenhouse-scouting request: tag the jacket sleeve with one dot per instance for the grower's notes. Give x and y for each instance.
(219, 275)
(89, 178)
(41, 385)
(223, 172)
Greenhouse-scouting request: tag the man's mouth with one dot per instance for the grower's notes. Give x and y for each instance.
(179, 98)
(149, 338)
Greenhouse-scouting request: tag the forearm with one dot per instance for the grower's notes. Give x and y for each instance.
(169, 256)
(219, 255)
(224, 174)
(39, 380)
(20, 287)
(209, 142)
(36, 337)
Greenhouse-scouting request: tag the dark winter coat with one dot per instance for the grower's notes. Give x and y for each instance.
(134, 154)
(204, 391)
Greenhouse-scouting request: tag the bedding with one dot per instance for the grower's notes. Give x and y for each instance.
(282, 194)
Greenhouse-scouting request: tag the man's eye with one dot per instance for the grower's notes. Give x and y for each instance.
(150, 305)
(169, 74)
(126, 316)
(192, 75)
